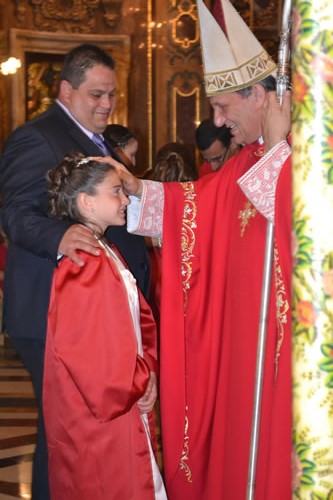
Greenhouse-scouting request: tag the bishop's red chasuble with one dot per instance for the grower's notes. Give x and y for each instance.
(93, 377)
(212, 266)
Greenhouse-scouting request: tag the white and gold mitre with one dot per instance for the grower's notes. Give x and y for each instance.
(233, 59)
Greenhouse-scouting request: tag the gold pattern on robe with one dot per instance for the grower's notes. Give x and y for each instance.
(185, 453)
(188, 236)
(245, 216)
(189, 226)
(282, 306)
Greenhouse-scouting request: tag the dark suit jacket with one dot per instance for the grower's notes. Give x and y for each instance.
(34, 238)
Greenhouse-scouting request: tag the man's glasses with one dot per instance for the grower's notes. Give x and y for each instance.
(218, 160)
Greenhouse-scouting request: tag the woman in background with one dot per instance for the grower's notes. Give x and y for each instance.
(124, 143)
(174, 162)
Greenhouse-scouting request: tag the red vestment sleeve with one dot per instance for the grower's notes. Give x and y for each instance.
(90, 332)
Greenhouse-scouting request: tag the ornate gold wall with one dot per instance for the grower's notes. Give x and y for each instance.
(156, 46)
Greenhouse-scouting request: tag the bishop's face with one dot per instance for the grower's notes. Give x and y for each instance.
(241, 114)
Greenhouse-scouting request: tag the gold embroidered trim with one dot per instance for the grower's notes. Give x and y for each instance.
(187, 244)
(188, 236)
(247, 74)
(245, 216)
(282, 306)
(185, 453)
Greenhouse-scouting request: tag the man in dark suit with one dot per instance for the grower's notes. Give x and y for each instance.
(86, 98)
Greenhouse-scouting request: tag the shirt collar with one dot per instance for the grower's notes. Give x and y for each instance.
(68, 113)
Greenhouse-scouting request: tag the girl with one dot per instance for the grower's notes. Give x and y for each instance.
(100, 361)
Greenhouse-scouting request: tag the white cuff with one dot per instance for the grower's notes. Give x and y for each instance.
(259, 183)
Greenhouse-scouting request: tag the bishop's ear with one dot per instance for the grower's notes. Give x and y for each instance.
(259, 94)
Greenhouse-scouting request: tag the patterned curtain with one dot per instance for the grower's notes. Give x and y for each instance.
(313, 248)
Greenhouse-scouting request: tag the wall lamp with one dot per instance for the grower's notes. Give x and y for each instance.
(10, 66)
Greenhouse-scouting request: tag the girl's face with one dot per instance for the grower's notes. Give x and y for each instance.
(108, 206)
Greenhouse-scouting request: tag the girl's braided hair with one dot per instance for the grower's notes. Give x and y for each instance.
(75, 174)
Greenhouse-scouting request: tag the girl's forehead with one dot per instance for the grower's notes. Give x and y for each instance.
(113, 176)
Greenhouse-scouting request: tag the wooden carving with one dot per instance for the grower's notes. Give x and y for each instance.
(65, 15)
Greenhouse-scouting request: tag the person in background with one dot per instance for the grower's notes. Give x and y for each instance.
(124, 143)
(174, 162)
(100, 358)
(75, 122)
(215, 145)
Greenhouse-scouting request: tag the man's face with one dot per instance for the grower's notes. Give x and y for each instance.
(242, 115)
(92, 103)
(215, 154)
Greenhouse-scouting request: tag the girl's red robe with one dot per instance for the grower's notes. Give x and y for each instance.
(93, 378)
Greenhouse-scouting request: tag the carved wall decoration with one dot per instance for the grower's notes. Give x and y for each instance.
(185, 97)
(266, 16)
(112, 10)
(177, 73)
(20, 11)
(264, 19)
(65, 15)
(41, 53)
(183, 32)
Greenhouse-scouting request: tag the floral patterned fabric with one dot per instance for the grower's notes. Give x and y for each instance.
(313, 248)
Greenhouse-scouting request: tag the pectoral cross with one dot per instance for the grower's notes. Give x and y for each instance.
(245, 216)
